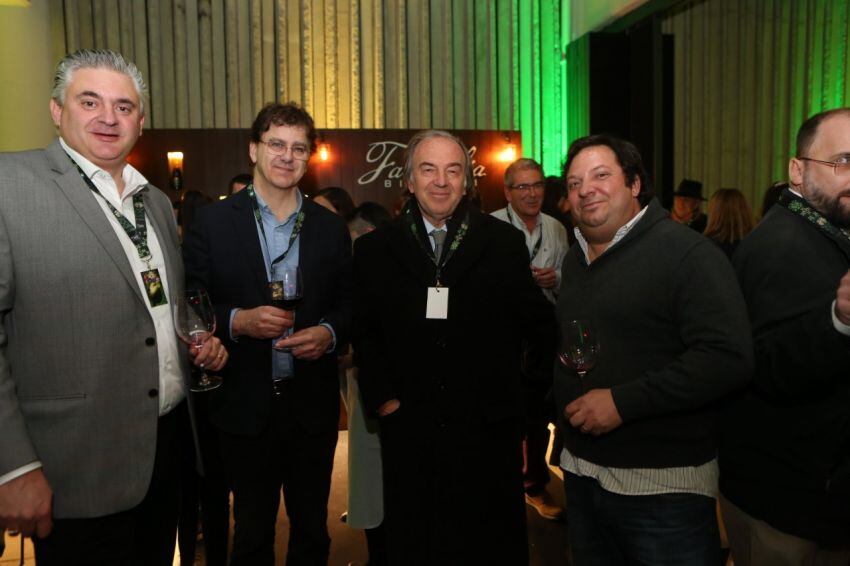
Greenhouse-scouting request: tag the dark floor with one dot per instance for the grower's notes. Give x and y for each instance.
(547, 539)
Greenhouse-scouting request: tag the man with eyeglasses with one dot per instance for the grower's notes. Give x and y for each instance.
(785, 451)
(278, 409)
(546, 240)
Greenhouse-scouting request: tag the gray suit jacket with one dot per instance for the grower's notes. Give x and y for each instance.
(78, 363)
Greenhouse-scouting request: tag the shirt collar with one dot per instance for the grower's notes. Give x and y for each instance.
(267, 211)
(618, 235)
(133, 180)
(512, 213)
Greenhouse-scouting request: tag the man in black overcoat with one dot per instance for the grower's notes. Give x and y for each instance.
(443, 299)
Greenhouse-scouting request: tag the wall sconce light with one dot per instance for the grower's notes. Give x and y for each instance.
(508, 153)
(324, 152)
(175, 169)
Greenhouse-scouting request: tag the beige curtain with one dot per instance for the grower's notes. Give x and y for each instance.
(747, 73)
(351, 63)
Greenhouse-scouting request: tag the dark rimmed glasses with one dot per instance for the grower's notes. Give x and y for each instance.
(839, 168)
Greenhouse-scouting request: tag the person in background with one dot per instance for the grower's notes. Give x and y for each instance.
(639, 457)
(687, 205)
(729, 219)
(771, 196)
(190, 201)
(92, 375)
(443, 300)
(557, 205)
(335, 199)
(239, 182)
(365, 486)
(785, 449)
(546, 241)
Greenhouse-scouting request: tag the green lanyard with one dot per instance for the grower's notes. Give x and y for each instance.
(418, 236)
(801, 207)
(258, 216)
(539, 225)
(138, 234)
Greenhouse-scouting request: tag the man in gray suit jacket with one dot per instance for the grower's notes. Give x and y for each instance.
(91, 374)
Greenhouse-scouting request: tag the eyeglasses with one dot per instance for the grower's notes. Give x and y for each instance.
(279, 148)
(839, 168)
(525, 188)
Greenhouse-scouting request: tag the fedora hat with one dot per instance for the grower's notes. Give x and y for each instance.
(689, 188)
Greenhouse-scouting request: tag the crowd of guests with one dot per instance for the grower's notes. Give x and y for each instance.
(694, 379)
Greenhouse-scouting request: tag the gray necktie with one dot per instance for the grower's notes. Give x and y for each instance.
(439, 239)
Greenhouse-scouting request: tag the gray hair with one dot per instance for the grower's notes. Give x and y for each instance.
(96, 59)
(521, 164)
(423, 135)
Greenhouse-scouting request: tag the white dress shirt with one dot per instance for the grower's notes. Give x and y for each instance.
(553, 246)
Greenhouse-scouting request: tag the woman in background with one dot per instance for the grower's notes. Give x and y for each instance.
(729, 219)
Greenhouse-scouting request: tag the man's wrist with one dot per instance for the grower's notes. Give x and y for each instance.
(16, 473)
(234, 332)
(332, 345)
(839, 325)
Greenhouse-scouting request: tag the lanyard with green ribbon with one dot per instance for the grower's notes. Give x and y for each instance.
(539, 240)
(258, 216)
(138, 234)
(801, 207)
(422, 239)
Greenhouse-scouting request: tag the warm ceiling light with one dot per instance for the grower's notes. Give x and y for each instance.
(175, 169)
(508, 154)
(175, 161)
(324, 152)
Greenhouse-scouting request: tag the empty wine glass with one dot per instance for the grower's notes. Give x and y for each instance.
(579, 348)
(194, 321)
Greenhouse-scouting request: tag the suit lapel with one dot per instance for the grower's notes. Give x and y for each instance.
(308, 254)
(245, 229)
(70, 183)
(468, 251)
(409, 253)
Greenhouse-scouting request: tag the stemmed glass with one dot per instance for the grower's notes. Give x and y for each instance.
(194, 321)
(286, 290)
(579, 348)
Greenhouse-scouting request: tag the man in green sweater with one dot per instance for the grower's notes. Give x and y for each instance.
(639, 462)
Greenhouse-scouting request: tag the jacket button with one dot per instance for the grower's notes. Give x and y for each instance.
(150, 341)
(153, 393)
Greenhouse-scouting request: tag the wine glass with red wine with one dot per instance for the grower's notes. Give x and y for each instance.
(286, 290)
(194, 321)
(579, 348)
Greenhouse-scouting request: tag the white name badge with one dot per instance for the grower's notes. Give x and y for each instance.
(438, 303)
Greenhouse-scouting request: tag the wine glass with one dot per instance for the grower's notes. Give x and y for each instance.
(286, 290)
(194, 320)
(579, 348)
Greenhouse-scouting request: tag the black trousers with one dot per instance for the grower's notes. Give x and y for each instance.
(211, 491)
(285, 455)
(437, 511)
(538, 414)
(141, 536)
